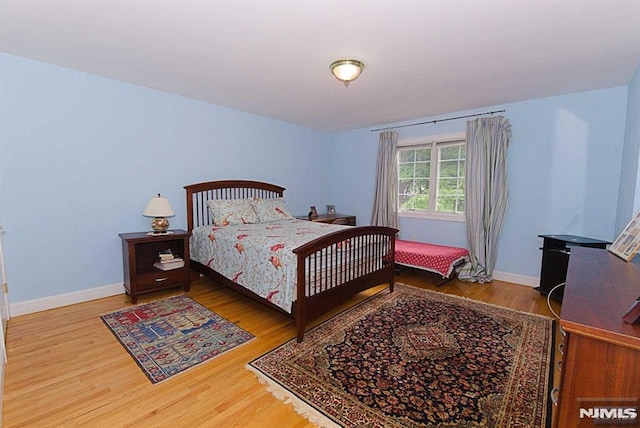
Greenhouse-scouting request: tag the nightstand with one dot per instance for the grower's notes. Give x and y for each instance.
(332, 218)
(140, 251)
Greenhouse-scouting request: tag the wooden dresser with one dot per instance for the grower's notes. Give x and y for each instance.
(601, 353)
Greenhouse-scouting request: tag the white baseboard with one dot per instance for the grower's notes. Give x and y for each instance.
(52, 302)
(45, 303)
(531, 281)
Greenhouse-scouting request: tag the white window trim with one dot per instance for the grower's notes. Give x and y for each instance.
(432, 216)
(440, 139)
(443, 138)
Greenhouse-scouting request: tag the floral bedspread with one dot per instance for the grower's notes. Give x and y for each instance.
(258, 256)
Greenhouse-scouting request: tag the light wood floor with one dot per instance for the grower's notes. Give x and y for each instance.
(66, 368)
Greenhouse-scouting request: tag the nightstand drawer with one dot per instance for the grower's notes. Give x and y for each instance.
(161, 278)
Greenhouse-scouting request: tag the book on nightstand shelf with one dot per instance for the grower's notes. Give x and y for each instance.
(165, 255)
(168, 261)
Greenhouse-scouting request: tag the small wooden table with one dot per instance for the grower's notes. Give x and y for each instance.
(140, 251)
(332, 218)
(555, 259)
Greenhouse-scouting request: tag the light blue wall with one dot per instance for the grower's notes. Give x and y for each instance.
(629, 200)
(81, 155)
(564, 172)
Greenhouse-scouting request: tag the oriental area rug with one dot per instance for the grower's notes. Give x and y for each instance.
(418, 358)
(168, 336)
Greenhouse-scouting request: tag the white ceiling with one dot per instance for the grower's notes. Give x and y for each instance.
(271, 57)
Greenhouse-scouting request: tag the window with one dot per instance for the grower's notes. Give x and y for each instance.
(431, 176)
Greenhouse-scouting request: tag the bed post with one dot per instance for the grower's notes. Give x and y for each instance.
(392, 251)
(189, 209)
(300, 316)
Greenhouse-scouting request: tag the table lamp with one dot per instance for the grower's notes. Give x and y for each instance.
(159, 208)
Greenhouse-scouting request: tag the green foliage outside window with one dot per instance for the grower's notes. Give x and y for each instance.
(451, 182)
(414, 170)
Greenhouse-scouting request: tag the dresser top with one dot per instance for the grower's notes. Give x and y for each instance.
(600, 290)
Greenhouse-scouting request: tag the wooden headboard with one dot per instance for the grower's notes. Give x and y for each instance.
(198, 213)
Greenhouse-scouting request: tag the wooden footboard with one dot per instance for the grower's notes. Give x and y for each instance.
(337, 266)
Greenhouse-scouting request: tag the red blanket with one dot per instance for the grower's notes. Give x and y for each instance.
(435, 258)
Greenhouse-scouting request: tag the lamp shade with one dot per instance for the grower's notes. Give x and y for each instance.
(158, 206)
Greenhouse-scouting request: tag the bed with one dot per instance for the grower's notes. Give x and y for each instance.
(298, 267)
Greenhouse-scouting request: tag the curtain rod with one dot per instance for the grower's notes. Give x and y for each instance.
(441, 120)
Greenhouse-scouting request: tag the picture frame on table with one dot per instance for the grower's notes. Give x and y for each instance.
(331, 210)
(627, 244)
(633, 314)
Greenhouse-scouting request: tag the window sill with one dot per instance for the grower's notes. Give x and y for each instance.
(429, 216)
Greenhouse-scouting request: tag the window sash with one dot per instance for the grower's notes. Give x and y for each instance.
(458, 193)
(417, 187)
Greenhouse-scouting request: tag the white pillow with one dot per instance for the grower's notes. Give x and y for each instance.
(272, 209)
(228, 212)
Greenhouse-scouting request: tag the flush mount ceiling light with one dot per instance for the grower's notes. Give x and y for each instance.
(346, 70)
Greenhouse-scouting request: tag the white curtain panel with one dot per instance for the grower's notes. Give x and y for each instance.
(385, 204)
(486, 194)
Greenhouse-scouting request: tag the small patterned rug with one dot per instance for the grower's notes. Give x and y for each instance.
(418, 358)
(168, 336)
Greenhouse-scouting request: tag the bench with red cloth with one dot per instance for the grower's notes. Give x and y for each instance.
(439, 259)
